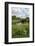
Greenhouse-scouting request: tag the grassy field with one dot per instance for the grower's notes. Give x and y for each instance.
(20, 30)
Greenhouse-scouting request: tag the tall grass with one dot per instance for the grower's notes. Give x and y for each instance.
(20, 30)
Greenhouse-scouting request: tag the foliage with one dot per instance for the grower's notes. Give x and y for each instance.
(20, 30)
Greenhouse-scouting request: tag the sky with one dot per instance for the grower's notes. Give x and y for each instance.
(20, 12)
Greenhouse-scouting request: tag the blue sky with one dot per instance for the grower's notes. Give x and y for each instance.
(20, 12)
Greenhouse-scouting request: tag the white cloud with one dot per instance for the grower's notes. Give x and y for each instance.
(20, 12)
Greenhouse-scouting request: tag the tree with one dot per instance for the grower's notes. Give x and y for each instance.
(14, 17)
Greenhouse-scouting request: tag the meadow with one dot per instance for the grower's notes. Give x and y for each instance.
(20, 27)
